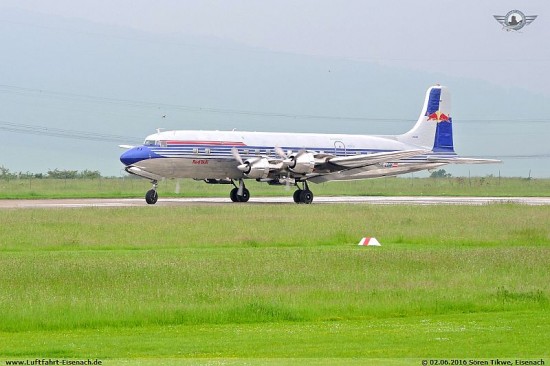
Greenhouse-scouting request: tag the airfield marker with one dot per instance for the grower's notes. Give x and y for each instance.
(370, 242)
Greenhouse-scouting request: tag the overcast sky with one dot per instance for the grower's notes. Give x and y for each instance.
(271, 57)
(459, 38)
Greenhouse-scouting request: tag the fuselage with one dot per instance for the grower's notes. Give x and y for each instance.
(208, 154)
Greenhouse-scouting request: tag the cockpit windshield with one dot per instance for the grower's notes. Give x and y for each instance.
(161, 143)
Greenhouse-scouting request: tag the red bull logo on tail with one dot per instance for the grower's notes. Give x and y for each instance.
(438, 117)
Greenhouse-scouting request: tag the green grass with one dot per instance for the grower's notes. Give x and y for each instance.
(275, 283)
(140, 288)
(132, 187)
(218, 226)
(481, 335)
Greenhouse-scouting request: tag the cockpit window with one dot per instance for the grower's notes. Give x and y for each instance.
(149, 143)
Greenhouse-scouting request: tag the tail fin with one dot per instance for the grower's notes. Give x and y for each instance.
(434, 128)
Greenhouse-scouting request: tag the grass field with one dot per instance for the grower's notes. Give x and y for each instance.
(132, 187)
(275, 284)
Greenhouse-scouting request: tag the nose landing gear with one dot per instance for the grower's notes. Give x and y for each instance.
(152, 196)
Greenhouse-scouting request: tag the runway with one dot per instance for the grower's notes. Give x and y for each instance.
(372, 200)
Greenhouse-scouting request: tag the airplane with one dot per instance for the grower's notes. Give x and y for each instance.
(294, 159)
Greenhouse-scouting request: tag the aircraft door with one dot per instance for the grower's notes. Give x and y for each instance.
(339, 148)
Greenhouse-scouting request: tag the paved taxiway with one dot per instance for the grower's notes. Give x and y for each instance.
(373, 200)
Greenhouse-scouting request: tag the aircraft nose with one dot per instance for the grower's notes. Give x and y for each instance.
(134, 155)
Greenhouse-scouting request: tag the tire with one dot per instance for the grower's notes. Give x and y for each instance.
(233, 195)
(306, 196)
(296, 196)
(151, 197)
(245, 196)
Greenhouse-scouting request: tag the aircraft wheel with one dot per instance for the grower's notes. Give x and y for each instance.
(151, 197)
(245, 196)
(306, 196)
(233, 195)
(296, 195)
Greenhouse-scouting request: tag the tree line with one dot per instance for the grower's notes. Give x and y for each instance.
(91, 174)
(5, 173)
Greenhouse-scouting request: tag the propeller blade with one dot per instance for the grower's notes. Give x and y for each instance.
(178, 186)
(280, 152)
(287, 184)
(300, 153)
(236, 155)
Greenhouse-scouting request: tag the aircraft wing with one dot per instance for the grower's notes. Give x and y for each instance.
(435, 159)
(357, 161)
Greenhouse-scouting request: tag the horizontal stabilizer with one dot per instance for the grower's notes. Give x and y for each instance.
(435, 159)
(356, 161)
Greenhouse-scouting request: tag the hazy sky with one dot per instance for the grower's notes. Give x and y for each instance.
(311, 57)
(459, 38)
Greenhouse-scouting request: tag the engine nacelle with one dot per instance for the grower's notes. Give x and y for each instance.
(257, 168)
(302, 163)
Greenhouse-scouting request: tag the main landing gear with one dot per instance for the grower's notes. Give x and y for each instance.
(152, 196)
(240, 193)
(303, 195)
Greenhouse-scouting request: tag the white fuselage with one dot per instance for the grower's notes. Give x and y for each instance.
(208, 154)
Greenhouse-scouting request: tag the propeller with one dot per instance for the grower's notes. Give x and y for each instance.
(287, 160)
(246, 166)
(243, 166)
(284, 164)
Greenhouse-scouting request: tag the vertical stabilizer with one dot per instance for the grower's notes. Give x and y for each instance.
(434, 129)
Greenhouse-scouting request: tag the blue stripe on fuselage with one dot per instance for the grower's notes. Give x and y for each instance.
(253, 151)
